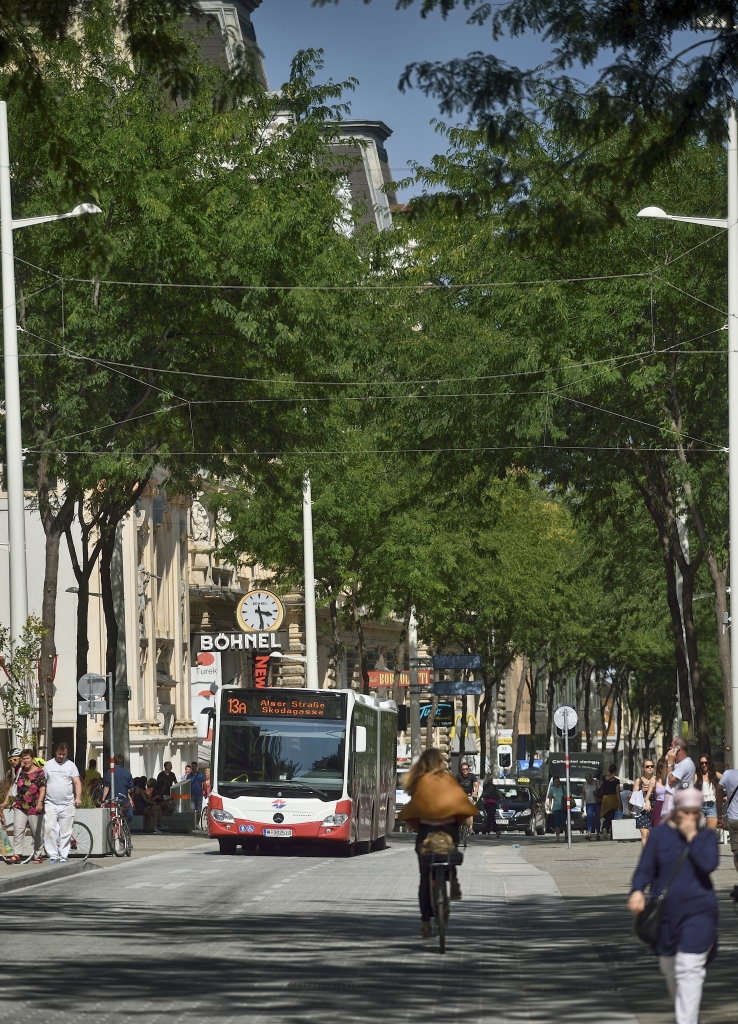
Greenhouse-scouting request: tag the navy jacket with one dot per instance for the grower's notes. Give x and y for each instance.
(690, 916)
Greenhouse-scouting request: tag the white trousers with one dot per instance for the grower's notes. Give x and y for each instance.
(19, 831)
(58, 823)
(685, 975)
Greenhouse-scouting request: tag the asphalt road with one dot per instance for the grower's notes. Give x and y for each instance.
(190, 936)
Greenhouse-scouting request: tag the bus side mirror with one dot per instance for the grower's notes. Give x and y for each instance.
(203, 723)
(360, 741)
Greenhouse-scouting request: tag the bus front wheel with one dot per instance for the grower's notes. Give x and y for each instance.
(227, 845)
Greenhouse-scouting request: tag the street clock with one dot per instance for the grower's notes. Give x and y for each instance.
(260, 611)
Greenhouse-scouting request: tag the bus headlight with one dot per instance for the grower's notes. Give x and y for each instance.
(218, 815)
(334, 820)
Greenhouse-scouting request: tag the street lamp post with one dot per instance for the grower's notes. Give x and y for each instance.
(13, 437)
(311, 633)
(731, 226)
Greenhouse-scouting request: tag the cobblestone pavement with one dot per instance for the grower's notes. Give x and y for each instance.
(189, 937)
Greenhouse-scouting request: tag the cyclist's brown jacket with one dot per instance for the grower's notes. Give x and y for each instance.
(437, 797)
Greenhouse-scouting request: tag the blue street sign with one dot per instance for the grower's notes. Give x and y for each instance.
(458, 689)
(457, 661)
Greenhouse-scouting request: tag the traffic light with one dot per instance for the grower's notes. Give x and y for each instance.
(504, 758)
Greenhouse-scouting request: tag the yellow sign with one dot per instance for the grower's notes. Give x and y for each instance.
(504, 739)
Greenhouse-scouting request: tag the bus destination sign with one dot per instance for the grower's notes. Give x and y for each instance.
(255, 704)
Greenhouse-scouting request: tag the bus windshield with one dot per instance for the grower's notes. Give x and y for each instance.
(261, 756)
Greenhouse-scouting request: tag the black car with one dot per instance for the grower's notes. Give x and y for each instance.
(519, 809)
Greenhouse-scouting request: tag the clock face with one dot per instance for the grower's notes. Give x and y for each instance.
(260, 612)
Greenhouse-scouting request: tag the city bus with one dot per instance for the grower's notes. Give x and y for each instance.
(301, 765)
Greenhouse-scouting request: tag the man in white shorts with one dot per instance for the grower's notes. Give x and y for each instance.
(679, 771)
(63, 795)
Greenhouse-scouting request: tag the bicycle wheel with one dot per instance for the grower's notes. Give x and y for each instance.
(127, 837)
(81, 845)
(116, 837)
(440, 901)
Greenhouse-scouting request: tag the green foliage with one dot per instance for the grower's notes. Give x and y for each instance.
(20, 665)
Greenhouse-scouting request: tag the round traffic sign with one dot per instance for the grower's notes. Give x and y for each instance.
(92, 685)
(565, 718)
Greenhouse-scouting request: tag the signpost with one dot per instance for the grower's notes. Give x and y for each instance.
(91, 687)
(458, 688)
(565, 718)
(450, 661)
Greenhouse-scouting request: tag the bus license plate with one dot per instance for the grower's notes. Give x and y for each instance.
(278, 833)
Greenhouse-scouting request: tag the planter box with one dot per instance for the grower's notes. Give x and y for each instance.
(625, 828)
(96, 819)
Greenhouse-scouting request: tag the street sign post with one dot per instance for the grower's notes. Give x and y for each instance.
(565, 718)
(457, 661)
(92, 687)
(463, 687)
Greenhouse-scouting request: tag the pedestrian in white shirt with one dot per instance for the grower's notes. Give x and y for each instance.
(679, 769)
(63, 795)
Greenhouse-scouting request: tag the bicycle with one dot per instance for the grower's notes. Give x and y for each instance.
(81, 842)
(439, 876)
(119, 833)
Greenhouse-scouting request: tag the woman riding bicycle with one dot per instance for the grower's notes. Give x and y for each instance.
(437, 804)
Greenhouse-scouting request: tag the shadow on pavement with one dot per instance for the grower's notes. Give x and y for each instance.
(508, 960)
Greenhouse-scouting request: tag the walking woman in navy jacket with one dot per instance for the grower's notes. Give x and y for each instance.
(688, 936)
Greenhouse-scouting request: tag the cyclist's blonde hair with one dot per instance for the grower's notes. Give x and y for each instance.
(429, 761)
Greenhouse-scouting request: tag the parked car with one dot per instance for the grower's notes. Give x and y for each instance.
(520, 808)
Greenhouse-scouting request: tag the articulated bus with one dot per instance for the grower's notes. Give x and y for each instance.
(295, 766)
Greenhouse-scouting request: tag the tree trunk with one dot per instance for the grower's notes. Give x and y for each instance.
(677, 630)
(550, 695)
(363, 667)
(111, 631)
(54, 520)
(484, 706)
(587, 683)
(700, 711)
(516, 715)
(719, 580)
(532, 689)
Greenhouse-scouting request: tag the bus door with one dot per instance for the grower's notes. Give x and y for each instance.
(364, 778)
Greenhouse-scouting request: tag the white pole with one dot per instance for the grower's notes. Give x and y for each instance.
(311, 635)
(733, 413)
(568, 782)
(111, 698)
(13, 437)
(412, 646)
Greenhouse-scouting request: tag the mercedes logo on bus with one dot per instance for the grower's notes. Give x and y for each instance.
(278, 818)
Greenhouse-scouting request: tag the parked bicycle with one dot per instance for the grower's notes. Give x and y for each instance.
(439, 878)
(119, 833)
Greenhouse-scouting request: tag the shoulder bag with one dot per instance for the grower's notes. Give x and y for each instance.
(647, 924)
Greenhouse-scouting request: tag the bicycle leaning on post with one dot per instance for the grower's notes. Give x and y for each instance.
(119, 834)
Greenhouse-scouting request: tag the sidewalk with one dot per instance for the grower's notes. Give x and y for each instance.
(19, 876)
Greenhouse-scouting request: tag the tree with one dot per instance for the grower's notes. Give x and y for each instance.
(225, 200)
(601, 364)
(664, 100)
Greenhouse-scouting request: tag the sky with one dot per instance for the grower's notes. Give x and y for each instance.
(373, 42)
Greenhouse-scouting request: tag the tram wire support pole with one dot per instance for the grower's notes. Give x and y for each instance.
(414, 688)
